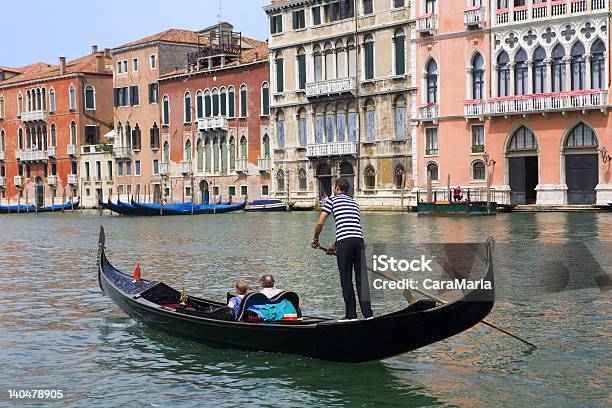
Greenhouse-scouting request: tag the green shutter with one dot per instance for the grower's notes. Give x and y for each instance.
(280, 81)
(302, 71)
(369, 60)
(400, 56)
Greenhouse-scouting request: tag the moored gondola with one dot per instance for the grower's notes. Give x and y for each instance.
(269, 206)
(159, 306)
(27, 209)
(186, 209)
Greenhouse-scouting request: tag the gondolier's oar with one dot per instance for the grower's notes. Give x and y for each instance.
(439, 300)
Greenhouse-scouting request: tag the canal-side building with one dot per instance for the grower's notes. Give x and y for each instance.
(97, 174)
(47, 112)
(535, 114)
(341, 101)
(215, 128)
(137, 67)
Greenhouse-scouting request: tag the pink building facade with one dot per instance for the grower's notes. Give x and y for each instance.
(515, 91)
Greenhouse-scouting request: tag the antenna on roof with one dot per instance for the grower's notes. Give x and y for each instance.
(219, 15)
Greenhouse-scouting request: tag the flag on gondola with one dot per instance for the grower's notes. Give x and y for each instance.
(137, 274)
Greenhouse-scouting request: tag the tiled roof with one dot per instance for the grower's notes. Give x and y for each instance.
(173, 35)
(11, 69)
(84, 65)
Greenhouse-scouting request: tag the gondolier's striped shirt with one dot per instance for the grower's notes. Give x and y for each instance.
(347, 216)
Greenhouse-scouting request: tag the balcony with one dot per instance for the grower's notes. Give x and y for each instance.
(164, 169)
(241, 165)
(2, 155)
(33, 155)
(264, 165)
(122, 152)
(429, 111)
(186, 167)
(52, 180)
(426, 23)
(19, 181)
(2, 181)
(331, 87)
(332, 149)
(73, 179)
(474, 16)
(217, 122)
(548, 9)
(550, 102)
(52, 151)
(93, 149)
(34, 116)
(71, 150)
(474, 108)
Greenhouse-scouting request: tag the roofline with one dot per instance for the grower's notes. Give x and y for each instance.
(153, 43)
(289, 4)
(187, 74)
(53, 78)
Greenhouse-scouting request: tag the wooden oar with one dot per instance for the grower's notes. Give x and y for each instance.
(439, 300)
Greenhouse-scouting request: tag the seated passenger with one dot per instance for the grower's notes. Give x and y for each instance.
(234, 303)
(267, 286)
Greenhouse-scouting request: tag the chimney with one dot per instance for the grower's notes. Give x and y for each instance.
(107, 53)
(94, 49)
(101, 63)
(62, 65)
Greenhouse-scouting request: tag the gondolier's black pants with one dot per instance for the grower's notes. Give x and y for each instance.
(351, 256)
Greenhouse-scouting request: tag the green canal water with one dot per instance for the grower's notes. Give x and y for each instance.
(57, 330)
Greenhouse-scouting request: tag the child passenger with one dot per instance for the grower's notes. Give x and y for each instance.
(241, 289)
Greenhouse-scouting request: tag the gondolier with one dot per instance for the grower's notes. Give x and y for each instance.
(349, 248)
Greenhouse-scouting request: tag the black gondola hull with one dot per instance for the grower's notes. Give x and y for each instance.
(324, 339)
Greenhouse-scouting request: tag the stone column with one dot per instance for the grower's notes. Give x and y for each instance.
(548, 62)
(529, 73)
(512, 79)
(587, 64)
(495, 81)
(568, 71)
(469, 86)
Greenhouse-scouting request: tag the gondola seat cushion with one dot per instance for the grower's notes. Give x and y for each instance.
(259, 299)
(272, 312)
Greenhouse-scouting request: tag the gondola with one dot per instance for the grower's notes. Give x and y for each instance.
(158, 306)
(120, 208)
(182, 209)
(27, 209)
(269, 206)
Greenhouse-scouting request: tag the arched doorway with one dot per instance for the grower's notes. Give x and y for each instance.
(581, 165)
(523, 168)
(324, 176)
(39, 192)
(347, 171)
(204, 193)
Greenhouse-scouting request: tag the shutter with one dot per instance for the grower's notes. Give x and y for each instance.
(280, 85)
(116, 97)
(399, 56)
(369, 51)
(302, 71)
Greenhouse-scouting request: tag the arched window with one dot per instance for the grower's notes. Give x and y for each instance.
(479, 171)
(154, 136)
(368, 56)
(28, 101)
(223, 102)
(38, 99)
(539, 70)
(243, 101)
(187, 155)
(330, 123)
(399, 47)
(208, 156)
(520, 73)
(369, 176)
(231, 102)
(341, 122)
(199, 105)
(523, 139)
(598, 65)
(478, 92)
(265, 99)
(20, 138)
(341, 60)
(20, 103)
(302, 180)
(223, 148)
(431, 78)
(301, 65)
(207, 104)
(578, 67)
(3, 140)
(280, 181)
(215, 102)
(243, 148)
(90, 97)
(370, 120)
(266, 146)
(73, 133)
(215, 147)
(187, 115)
(232, 153)
(302, 127)
(433, 172)
(72, 97)
(318, 63)
(166, 156)
(53, 135)
(165, 110)
(400, 117)
(581, 136)
(44, 98)
(200, 155)
(280, 129)
(52, 106)
(128, 134)
(399, 177)
(503, 74)
(279, 66)
(330, 66)
(352, 57)
(558, 68)
(2, 109)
